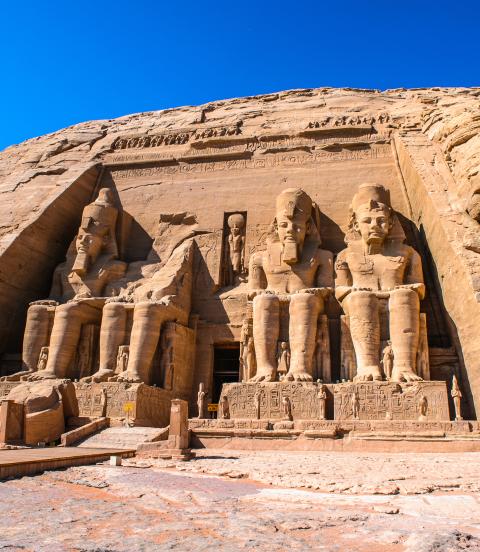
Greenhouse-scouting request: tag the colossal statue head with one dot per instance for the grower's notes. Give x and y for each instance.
(372, 215)
(293, 222)
(236, 223)
(96, 234)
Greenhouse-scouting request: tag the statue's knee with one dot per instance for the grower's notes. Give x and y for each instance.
(67, 310)
(404, 296)
(305, 301)
(113, 310)
(265, 302)
(362, 299)
(147, 310)
(37, 312)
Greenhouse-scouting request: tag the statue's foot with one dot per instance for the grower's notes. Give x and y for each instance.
(405, 375)
(263, 375)
(39, 376)
(129, 377)
(369, 373)
(16, 377)
(298, 376)
(101, 375)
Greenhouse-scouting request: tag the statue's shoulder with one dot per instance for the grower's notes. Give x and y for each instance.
(407, 251)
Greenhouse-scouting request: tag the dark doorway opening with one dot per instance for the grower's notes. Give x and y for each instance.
(226, 367)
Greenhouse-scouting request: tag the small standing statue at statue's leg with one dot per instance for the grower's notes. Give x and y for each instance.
(201, 402)
(456, 394)
(322, 399)
(387, 360)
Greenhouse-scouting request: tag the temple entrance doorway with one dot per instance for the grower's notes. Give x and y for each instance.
(226, 367)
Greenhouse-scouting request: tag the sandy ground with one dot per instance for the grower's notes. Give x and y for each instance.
(227, 500)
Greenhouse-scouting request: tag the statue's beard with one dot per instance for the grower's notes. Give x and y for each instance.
(290, 251)
(80, 266)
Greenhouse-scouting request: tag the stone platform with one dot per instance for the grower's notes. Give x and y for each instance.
(376, 400)
(337, 435)
(20, 462)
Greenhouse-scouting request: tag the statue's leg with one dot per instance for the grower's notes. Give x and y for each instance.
(35, 337)
(147, 321)
(112, 335)
(266, 327)
(404, 308)
(65, 336)
(361, 308)
(304, 310)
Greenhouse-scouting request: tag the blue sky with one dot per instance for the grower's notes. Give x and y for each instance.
(64, 62)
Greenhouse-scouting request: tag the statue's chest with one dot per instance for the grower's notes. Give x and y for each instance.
(384, 269)
(291, 278)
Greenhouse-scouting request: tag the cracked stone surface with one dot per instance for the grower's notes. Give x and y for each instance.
(159, 505)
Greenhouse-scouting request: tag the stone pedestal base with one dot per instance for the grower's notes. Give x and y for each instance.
(135, 403)
(375, 401)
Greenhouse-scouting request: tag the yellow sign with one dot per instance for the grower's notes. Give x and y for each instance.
(213, 407)
(128, 407)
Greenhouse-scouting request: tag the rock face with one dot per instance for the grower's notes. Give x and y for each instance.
(195, 191)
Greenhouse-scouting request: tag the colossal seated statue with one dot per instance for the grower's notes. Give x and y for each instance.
(163, 294)
(296, 271)
(377, 273)
(77, 294)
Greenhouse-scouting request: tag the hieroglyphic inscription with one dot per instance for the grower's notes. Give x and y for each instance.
(303, 398)
(391, 401)
(262, 145)
(291, 159)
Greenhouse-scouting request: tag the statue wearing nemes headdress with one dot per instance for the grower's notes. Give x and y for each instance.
(378, 272)
(294, 270)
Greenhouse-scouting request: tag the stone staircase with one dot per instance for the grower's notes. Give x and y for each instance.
(124, 438)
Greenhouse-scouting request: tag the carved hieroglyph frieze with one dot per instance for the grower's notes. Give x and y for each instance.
(391, 401)
(243, 399)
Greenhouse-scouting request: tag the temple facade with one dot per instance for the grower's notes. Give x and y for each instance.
(290, 261)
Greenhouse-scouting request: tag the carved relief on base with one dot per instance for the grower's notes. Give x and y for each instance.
(143, 404)
(267, 400)
(422, 401)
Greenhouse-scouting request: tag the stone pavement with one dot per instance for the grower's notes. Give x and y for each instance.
(146, 506)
